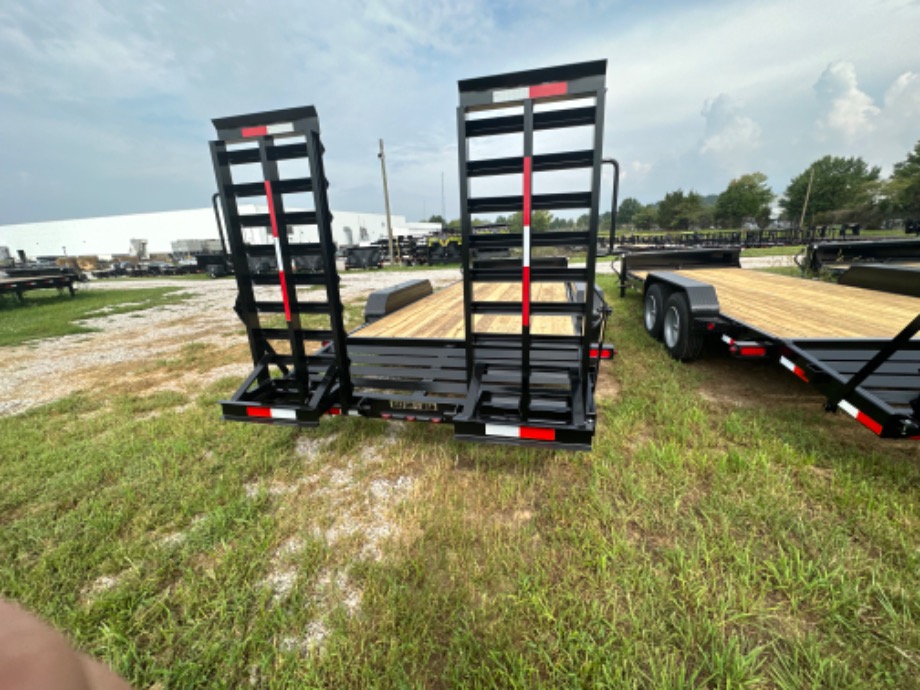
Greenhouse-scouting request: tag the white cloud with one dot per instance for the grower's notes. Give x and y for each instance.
(728, 134)
(847, 110)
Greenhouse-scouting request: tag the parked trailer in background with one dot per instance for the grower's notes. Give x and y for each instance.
(858, 347)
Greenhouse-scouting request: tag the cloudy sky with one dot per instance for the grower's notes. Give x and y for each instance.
(106, 104)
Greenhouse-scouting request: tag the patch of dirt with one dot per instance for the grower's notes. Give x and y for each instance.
(737, 383)
(126, 345)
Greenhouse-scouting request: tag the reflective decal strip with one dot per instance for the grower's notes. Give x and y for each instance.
(605, 353)
(265, 130)
(860, 417)
(271, 412)
(274, 221)
(558, 88)
(502, 430)
(506, 95)
(271, 209)
(531, 433)
(753, 351)
(281, 128)
(525, 273)
(535, 434)
(798, 371)
(728, 340)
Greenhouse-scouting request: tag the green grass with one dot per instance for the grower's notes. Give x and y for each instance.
(772, 251)
(723, 533)
(50, 314)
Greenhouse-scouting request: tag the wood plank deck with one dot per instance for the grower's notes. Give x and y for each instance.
(787, 307)
(441, 315)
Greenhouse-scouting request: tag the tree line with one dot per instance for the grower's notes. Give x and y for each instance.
(838, 190)
(832, 189)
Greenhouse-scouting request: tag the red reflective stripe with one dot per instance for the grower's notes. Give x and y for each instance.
(525, 296)
(527, 171)
(798, 371)
(335, 410)
(271, 208)
(606, 353)
(558, 88)
(274, 220)
(753, 351)
(535, 434)
(259, 411)
(868, 422)
(254, 131)
(284, 296)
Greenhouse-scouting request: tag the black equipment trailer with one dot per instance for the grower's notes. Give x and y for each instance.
(20, 285)
(509, 354)
(858, 347)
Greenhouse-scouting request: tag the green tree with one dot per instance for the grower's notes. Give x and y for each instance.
(747, 198)
(646, 217)
(840, 184)
(679, 211)
(904, 186)
(628, 209)
(437, 219)
(539, 221)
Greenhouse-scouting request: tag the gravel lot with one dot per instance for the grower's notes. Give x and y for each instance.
(46, 370)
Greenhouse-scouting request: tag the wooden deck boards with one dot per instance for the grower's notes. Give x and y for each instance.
(788, 307)
(441, 315)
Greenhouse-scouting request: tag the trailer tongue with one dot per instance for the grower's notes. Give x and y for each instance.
(508, 355)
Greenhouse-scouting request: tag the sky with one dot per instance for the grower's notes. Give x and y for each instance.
(106, 104)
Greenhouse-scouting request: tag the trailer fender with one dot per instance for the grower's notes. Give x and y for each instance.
(388, 300)
(701, 297)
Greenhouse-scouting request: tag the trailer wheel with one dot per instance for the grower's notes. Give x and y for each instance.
(653, 310)
(681, 342)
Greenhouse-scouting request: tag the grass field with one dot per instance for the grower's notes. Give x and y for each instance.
(51, 313)
(723, 533)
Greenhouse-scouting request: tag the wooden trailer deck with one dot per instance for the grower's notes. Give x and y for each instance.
(440, 315)
(790, 308)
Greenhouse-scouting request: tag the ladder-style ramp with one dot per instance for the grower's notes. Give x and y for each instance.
(530, 142)
(270, 177)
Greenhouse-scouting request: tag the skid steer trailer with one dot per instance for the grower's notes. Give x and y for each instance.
(860, 348)
(509, 354)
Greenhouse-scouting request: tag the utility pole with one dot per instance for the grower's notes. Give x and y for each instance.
(386, 198)
(807, 195)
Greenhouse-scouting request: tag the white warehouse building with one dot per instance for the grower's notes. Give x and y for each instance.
(113, 234)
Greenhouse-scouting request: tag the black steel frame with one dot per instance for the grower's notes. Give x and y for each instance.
(411, 379)
(564, 407)
(19, 286)
(307, 384)
(875, 381)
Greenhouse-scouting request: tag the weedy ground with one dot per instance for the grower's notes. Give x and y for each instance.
(724, 532)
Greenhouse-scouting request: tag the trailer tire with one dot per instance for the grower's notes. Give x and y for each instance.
(653, 309)
(682, 343)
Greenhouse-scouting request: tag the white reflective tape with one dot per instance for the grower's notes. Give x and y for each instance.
(503, 430)
(727, 340)
(279, 413)
(848, 408)
(282, 128)
(527, 245)
(786, 363)
(506, 95)
(278, 254)
(354, 413)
